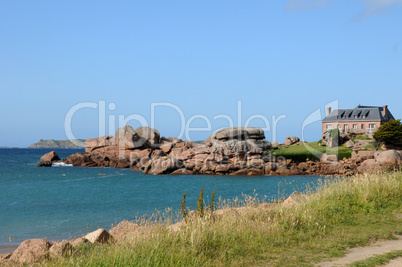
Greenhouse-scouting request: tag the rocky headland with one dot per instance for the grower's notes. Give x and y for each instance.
(78, 143)
(229, 151)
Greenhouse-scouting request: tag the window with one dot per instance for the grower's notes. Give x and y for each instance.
(345, 127)
(363, 117)
(355, 117)
(362, 126)
(339, 117)
(329, 126)
(370, 129)
(354, 126)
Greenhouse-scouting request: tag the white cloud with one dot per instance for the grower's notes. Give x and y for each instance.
(376, 7)
(296, 5)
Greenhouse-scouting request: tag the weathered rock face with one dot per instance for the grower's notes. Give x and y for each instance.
(61, 249)
(235, 133)
(48, 159)
(382, 160)
(162, 165)
(78, 242)
(95, 143)
(51, 156)
(151, 135)
(234, 141)
(369, 165)
(291, 140)
(349, 144)
(388, 158)
(328, 141)
(124, 230)
(98, 236)
(329, 158)
(295, 199)
(127, 138)
(31, 251)
(230, 151)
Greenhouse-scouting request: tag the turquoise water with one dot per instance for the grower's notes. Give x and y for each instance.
(59, 202)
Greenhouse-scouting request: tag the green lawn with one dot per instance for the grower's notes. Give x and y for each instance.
(312, 150)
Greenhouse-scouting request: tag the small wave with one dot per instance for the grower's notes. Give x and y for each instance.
(61, 164)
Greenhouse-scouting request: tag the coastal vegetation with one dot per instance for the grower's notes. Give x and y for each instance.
(338, 214)
(390, 133)
(300, 152)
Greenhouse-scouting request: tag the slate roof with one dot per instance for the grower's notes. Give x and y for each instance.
(362, 113)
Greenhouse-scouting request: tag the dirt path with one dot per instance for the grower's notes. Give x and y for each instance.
(394, 263)
(362, 253)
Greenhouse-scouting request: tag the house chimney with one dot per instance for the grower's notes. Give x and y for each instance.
(385, 111)
(328, 110)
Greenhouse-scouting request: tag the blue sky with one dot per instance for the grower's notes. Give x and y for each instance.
(277, 57)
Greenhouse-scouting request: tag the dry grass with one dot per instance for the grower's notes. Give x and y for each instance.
(339, 214)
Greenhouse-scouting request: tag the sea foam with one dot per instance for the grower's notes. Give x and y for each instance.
(61, 164)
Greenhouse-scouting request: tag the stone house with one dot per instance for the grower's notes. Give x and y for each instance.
(360, 120)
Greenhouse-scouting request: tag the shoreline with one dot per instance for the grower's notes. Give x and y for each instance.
(7, 249)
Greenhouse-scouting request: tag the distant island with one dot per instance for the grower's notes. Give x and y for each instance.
(58, 144)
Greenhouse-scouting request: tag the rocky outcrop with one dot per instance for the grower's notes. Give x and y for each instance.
(31, 251)
(295, 199)
(388, 158)
(127, 138)
(325, 158)
(229, 151)
(48, 159)
(382, 160)
(124, 230)
(99, 236)
(291, 140)
(60, 250)
(95, 143)
(51, 156)
(78, 242)
(151, 135)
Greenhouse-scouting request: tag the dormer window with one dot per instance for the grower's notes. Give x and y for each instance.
(363, 117)
(339, 117)
(355, 117)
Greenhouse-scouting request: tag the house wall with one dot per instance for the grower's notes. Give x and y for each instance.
(350, 124)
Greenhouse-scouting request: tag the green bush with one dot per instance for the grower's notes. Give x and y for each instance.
(390, 133)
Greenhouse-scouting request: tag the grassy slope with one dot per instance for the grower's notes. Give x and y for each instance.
(300, 152)
(339, 215)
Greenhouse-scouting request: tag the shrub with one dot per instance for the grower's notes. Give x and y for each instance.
(184, 212)
(200, 202)
(390, 133)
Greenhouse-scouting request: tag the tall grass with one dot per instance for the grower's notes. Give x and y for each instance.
(338, 214)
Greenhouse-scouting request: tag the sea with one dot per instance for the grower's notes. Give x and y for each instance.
(59, 203)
